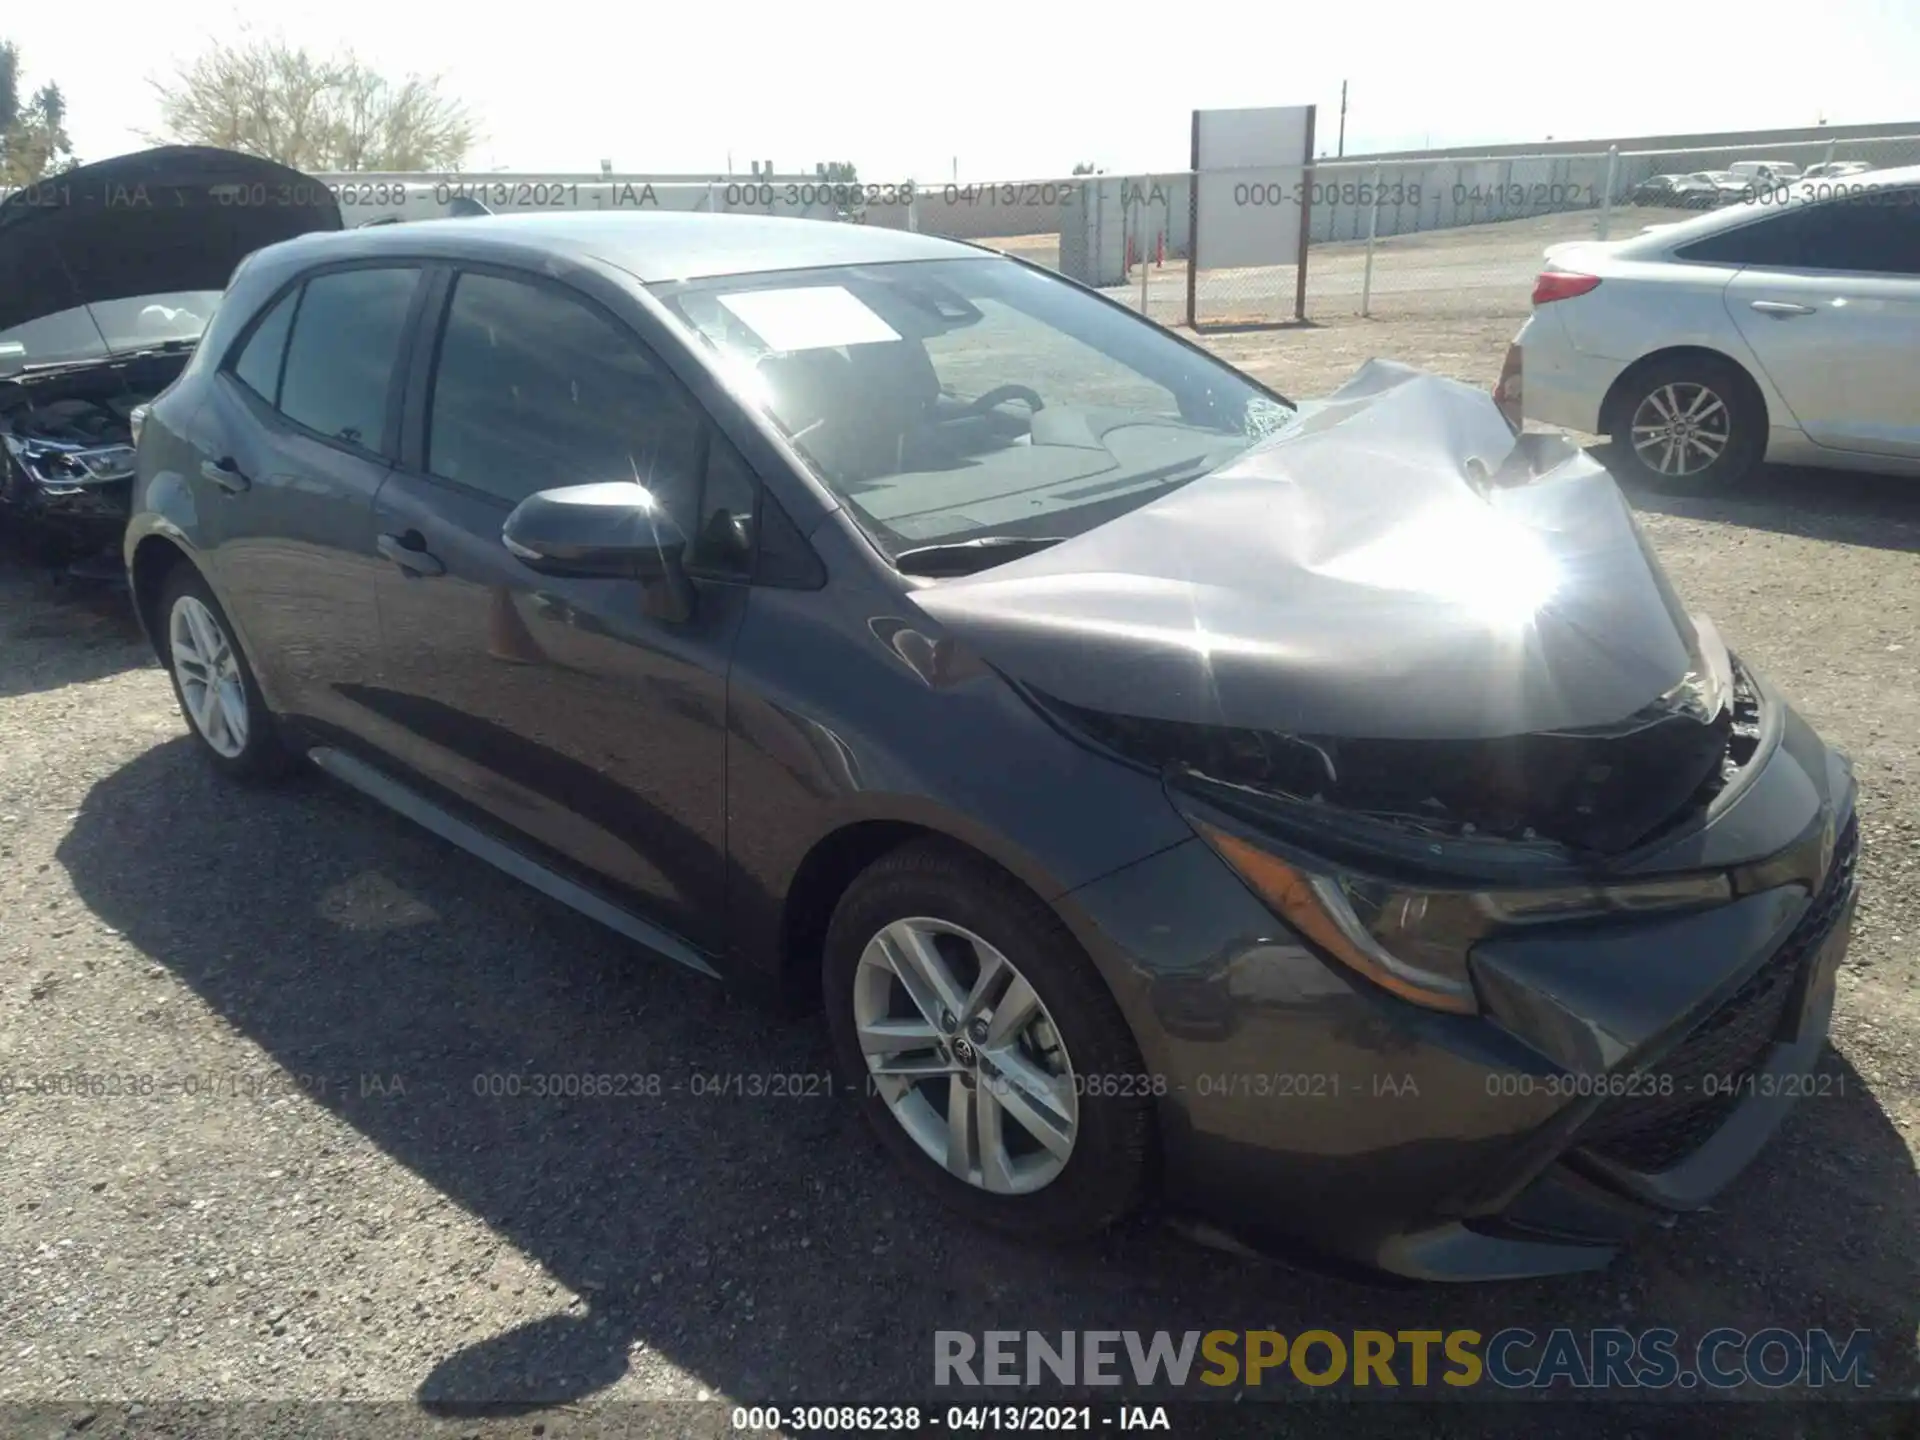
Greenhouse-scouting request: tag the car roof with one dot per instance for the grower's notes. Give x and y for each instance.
(654, 245)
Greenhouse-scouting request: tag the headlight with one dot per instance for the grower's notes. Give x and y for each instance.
(1415, 942)
(1320, 907)
(52, 463)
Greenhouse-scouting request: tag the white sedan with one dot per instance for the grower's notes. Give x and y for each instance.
(1785, 331)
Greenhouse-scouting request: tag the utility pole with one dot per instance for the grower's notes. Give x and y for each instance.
(1343, 118)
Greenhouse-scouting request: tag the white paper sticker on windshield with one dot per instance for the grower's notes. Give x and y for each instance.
(809, 317)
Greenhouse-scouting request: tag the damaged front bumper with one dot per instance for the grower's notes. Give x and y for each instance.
(1615, 1070)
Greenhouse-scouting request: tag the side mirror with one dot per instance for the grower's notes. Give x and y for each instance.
(612, 530)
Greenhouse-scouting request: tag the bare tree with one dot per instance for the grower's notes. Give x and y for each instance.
(268, 98)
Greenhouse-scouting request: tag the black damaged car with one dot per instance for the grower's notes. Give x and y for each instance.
(1323, 818)
(108, 275)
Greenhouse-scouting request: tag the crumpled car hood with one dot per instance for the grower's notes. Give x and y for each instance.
(1394, 565)
(179, 217)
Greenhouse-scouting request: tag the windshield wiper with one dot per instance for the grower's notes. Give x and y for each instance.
(963, 557)
(110, 357)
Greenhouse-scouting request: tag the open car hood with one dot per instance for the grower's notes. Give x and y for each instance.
(177, 218)
(1395, 565)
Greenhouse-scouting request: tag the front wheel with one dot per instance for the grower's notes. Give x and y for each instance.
(214, 684)
(1691, 423)
(990, 1058)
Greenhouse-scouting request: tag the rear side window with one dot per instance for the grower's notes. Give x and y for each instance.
(1875, 232)
(259, 364)
(535, 389)
(346, 337)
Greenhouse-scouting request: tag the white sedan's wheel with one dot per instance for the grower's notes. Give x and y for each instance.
(207, 668)
(1686, 422)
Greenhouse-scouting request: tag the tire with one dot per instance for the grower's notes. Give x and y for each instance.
(1029, 1190)
(229, 720)
(1726, 416)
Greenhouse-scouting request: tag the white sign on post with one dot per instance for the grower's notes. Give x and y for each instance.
(1250, 185)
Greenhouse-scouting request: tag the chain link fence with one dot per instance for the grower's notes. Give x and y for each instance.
(1443, 239)
(1471, 249)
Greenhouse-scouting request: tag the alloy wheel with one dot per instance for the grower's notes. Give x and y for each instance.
(208, 671)
(1681, 429)
(965, 1055)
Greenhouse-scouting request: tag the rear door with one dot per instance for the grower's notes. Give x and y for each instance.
(579, 712)
(1828, 297)
(293, 444)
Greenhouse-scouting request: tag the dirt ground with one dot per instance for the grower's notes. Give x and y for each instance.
(334, 1212)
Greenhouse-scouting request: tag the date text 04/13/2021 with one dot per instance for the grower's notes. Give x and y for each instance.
(962, 1419)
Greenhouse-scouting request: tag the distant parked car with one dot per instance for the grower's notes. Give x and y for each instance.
(1764, 172)
(1836, 170)
(1698, 190)
(1661, 190)
(108, 275)
(1723, 187)
(1785, 332)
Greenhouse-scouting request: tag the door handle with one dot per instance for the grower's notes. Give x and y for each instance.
(409, 552)
(224, 473)
(1781, 309)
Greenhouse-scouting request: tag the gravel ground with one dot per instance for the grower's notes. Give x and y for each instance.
(313, 1203)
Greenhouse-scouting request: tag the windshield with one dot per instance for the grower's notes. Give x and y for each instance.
(90, 332)
(954, 400)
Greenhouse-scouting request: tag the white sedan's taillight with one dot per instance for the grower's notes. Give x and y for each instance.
(1561, 285)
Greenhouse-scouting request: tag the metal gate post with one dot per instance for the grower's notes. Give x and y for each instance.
(1606, 201)
(1373, 229)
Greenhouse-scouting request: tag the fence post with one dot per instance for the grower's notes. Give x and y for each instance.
(1373, 229)
(1140, 248)
(1606, 201)
(913, 207)
(1829, 150)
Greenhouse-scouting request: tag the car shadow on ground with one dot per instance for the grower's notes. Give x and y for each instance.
(1846, 506)
(761, 1243)
(56, 630)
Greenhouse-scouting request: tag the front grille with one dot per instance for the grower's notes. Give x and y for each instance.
(1652, 1133)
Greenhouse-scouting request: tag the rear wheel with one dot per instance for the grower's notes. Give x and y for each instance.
(990, 1059)
(213, 682)
(1689, 423)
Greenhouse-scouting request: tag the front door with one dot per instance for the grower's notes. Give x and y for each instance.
(581, 713)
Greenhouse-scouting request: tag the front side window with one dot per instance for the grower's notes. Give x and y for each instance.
(340, 357)
(947, 400)
(535, 389)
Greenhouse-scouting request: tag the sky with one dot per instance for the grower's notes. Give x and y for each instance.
(994, 91)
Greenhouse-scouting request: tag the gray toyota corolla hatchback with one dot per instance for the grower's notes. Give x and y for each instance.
(1325, 819)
